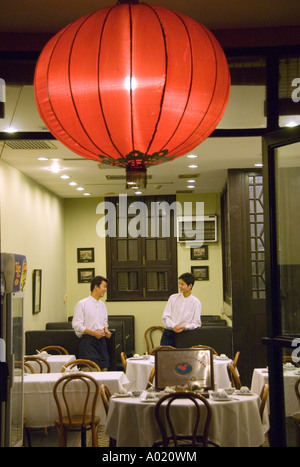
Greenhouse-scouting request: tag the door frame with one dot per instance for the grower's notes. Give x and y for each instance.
(274, 340)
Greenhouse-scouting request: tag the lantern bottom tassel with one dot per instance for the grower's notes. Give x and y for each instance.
(136, 174)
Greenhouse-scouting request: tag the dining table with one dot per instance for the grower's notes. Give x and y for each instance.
(40, 408)
(56, 362)
(138, 370)
(235, 422)
(260, 377)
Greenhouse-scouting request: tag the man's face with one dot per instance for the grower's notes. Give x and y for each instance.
(183, 287)
(101, 289)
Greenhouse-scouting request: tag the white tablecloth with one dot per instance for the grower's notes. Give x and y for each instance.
(39, 405)
(138, 372)
(235, 423)
(56, 362)
(261, 376)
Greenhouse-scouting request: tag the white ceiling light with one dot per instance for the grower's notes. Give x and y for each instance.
(73, 183)
(193, 166)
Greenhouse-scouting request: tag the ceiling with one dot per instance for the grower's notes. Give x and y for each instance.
(214, 156)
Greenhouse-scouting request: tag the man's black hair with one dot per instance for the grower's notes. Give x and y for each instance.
(188, 278)
(97, 281)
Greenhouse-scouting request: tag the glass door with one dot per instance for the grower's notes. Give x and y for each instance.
(281, 158)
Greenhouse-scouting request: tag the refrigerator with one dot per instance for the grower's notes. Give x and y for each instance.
(13, 281)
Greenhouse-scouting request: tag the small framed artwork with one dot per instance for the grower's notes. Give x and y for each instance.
(85, 255)
(201, 273)
(85, 275)
(199, 252)
(36, 290)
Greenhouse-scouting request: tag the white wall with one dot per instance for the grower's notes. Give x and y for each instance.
(33, 224)
(81, 221)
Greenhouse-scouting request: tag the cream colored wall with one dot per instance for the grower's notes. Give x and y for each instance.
(33, 224)
(81, 221)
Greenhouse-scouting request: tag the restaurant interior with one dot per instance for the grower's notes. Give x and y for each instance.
(244, 177)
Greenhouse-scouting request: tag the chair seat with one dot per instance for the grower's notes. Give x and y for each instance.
(76, 421)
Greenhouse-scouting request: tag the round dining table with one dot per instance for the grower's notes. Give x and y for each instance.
(235, 422)
(138, 370)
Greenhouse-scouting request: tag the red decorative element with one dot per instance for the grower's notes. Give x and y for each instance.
(132, 79)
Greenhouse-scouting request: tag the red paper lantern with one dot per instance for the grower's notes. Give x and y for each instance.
(132, 85)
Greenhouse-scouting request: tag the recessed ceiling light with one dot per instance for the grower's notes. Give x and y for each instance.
(10, 129)
(193, 166)
(135, 187)
(65, 177)
(73, 183)
(55, 168)
(192, 156)
(86, 194)
(292, 124)
(191, 180)
(191, 186)
(138, 192)
(259, 164)
(80, 188)
(42, 158)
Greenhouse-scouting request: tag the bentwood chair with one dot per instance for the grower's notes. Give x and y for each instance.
(81, 363)
(236, 358)
(151, 378)
(81, 417)
(205, 347)
(43, 365)
(166, 421)
(234, 377)
(149, 336)
(123, 360)
(54, 348)
(106, 395)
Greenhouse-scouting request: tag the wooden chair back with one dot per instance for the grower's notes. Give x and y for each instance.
(105, 395)
(55, 348)
(263, 399)
(123, 360)
(234, 377)
(166, 423)
(149, 336)
(91, 366)
(43, 365)
(82, 416)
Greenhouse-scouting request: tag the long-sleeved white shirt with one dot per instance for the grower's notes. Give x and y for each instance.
(183, 311)
(91, 314)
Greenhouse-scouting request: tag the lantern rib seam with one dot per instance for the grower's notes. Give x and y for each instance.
(190, 86)
(99, 94)
(54, 113)
(165, 83)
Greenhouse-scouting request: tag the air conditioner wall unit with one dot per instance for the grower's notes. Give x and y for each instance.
(191, 228)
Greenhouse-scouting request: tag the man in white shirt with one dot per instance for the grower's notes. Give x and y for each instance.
(91, 325)
(182, 312)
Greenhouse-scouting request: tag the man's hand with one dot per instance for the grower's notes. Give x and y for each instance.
(107, 333)
(99, 334)
(179, 328)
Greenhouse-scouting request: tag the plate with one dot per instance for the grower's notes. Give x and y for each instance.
(239, 393)
(143, 399)
(128, 394)
(136, 358)
(221, 399)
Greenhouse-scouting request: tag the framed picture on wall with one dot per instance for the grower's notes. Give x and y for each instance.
(199, 252)
(36, 290)
(201, 273)
(85, 275)
(85, 255)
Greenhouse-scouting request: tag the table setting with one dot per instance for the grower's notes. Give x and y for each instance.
(56, 362)
(231, 409)
(290, 375)
(39, 405)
